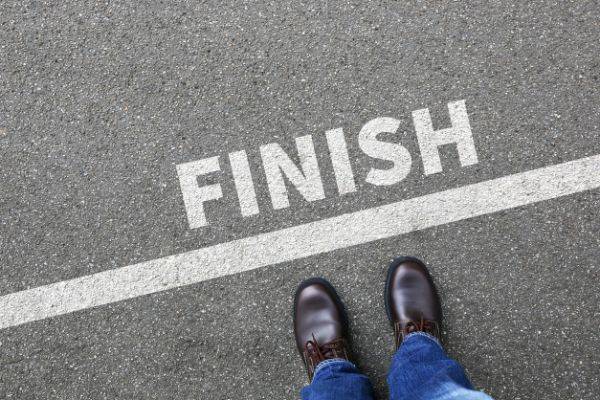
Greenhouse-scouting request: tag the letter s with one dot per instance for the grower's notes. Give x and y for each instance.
(394, 152)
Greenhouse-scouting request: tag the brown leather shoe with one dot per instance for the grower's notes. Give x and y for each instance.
(411, 299)
(320, 323)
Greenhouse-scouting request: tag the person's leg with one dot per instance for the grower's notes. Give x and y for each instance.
(321, 333)
(338, 380)
(420, 368)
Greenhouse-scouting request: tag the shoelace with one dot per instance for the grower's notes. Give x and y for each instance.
(314, 353)
(403, 328)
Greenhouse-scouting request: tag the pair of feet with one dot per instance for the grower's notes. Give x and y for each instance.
(321, 325)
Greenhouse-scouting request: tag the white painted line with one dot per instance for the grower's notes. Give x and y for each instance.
(300, 241)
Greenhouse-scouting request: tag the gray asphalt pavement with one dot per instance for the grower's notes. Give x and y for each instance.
(100, 100)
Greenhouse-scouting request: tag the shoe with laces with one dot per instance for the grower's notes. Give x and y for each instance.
(320, 324)
(411, 299)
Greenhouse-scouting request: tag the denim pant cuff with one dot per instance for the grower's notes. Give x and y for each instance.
(423, 334)
(325, 363)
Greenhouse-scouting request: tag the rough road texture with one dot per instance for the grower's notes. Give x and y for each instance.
(100, 100)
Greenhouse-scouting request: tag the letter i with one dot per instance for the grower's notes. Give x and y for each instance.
(340, 160)
(244, 185)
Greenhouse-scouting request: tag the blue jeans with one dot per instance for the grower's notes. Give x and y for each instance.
(420, 370)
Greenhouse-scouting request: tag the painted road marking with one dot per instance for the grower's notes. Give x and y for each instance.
(281, 171)
(300, 241)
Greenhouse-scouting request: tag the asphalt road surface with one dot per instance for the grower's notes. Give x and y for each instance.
(101, 100)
